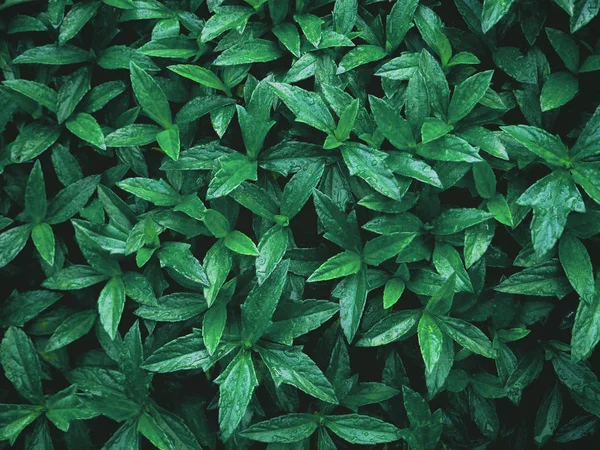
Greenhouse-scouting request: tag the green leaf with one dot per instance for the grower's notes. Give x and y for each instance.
(352, 293)
(70, 200)
(430, 341)
(485, 180)
(544, 279)
(33, 139)
(169, 142)
(261, 302)
(345, 14)
(271, 249)
(252, 51)
(587, 142)
(408, 166)
(288, 35)
(369, 164)
(398, 22)
(111, 303)
(76, 19)
(347, 120)
(467, 94)
(435, 82)
(178, 257)
(363, 54)
(158, 192)
(493, 11)
(382, 248)
(308, 107)
(150, 96)
(365, 430)
(311, 27)
(226, 18)
(586, 329)
(21, 364)
(213, 325)
(577, 265)
(565, 46)
(238, 242)
(394, 128)
(217, 264)
(41, 93)
(289, 365)
(183, 353)
(71, 92)
(71, 329)
(86, 128)
(433, 129)
(455, 220)
(73, 278)
(43, 239)
(467, 335)
(583, 12)
(15, 418)
(21, 308)
(548, 416)
(134, 134)
(35, 193)
(449, 148)
(548, 147)
(340, 265)
(236, 385)
(284, 429)
(52, 55)
(393, 290)
(338, 228)
(200, 75)
(233, 170)
(559, 89)
(391, 328)
(65, 407)
(299, 188)
(553, 198)
(12, 242)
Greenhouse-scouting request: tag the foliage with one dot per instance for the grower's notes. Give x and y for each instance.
(209, 210)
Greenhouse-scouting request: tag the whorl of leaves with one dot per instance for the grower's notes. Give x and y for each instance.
(209, 210)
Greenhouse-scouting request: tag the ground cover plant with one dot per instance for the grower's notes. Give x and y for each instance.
(305, 224)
